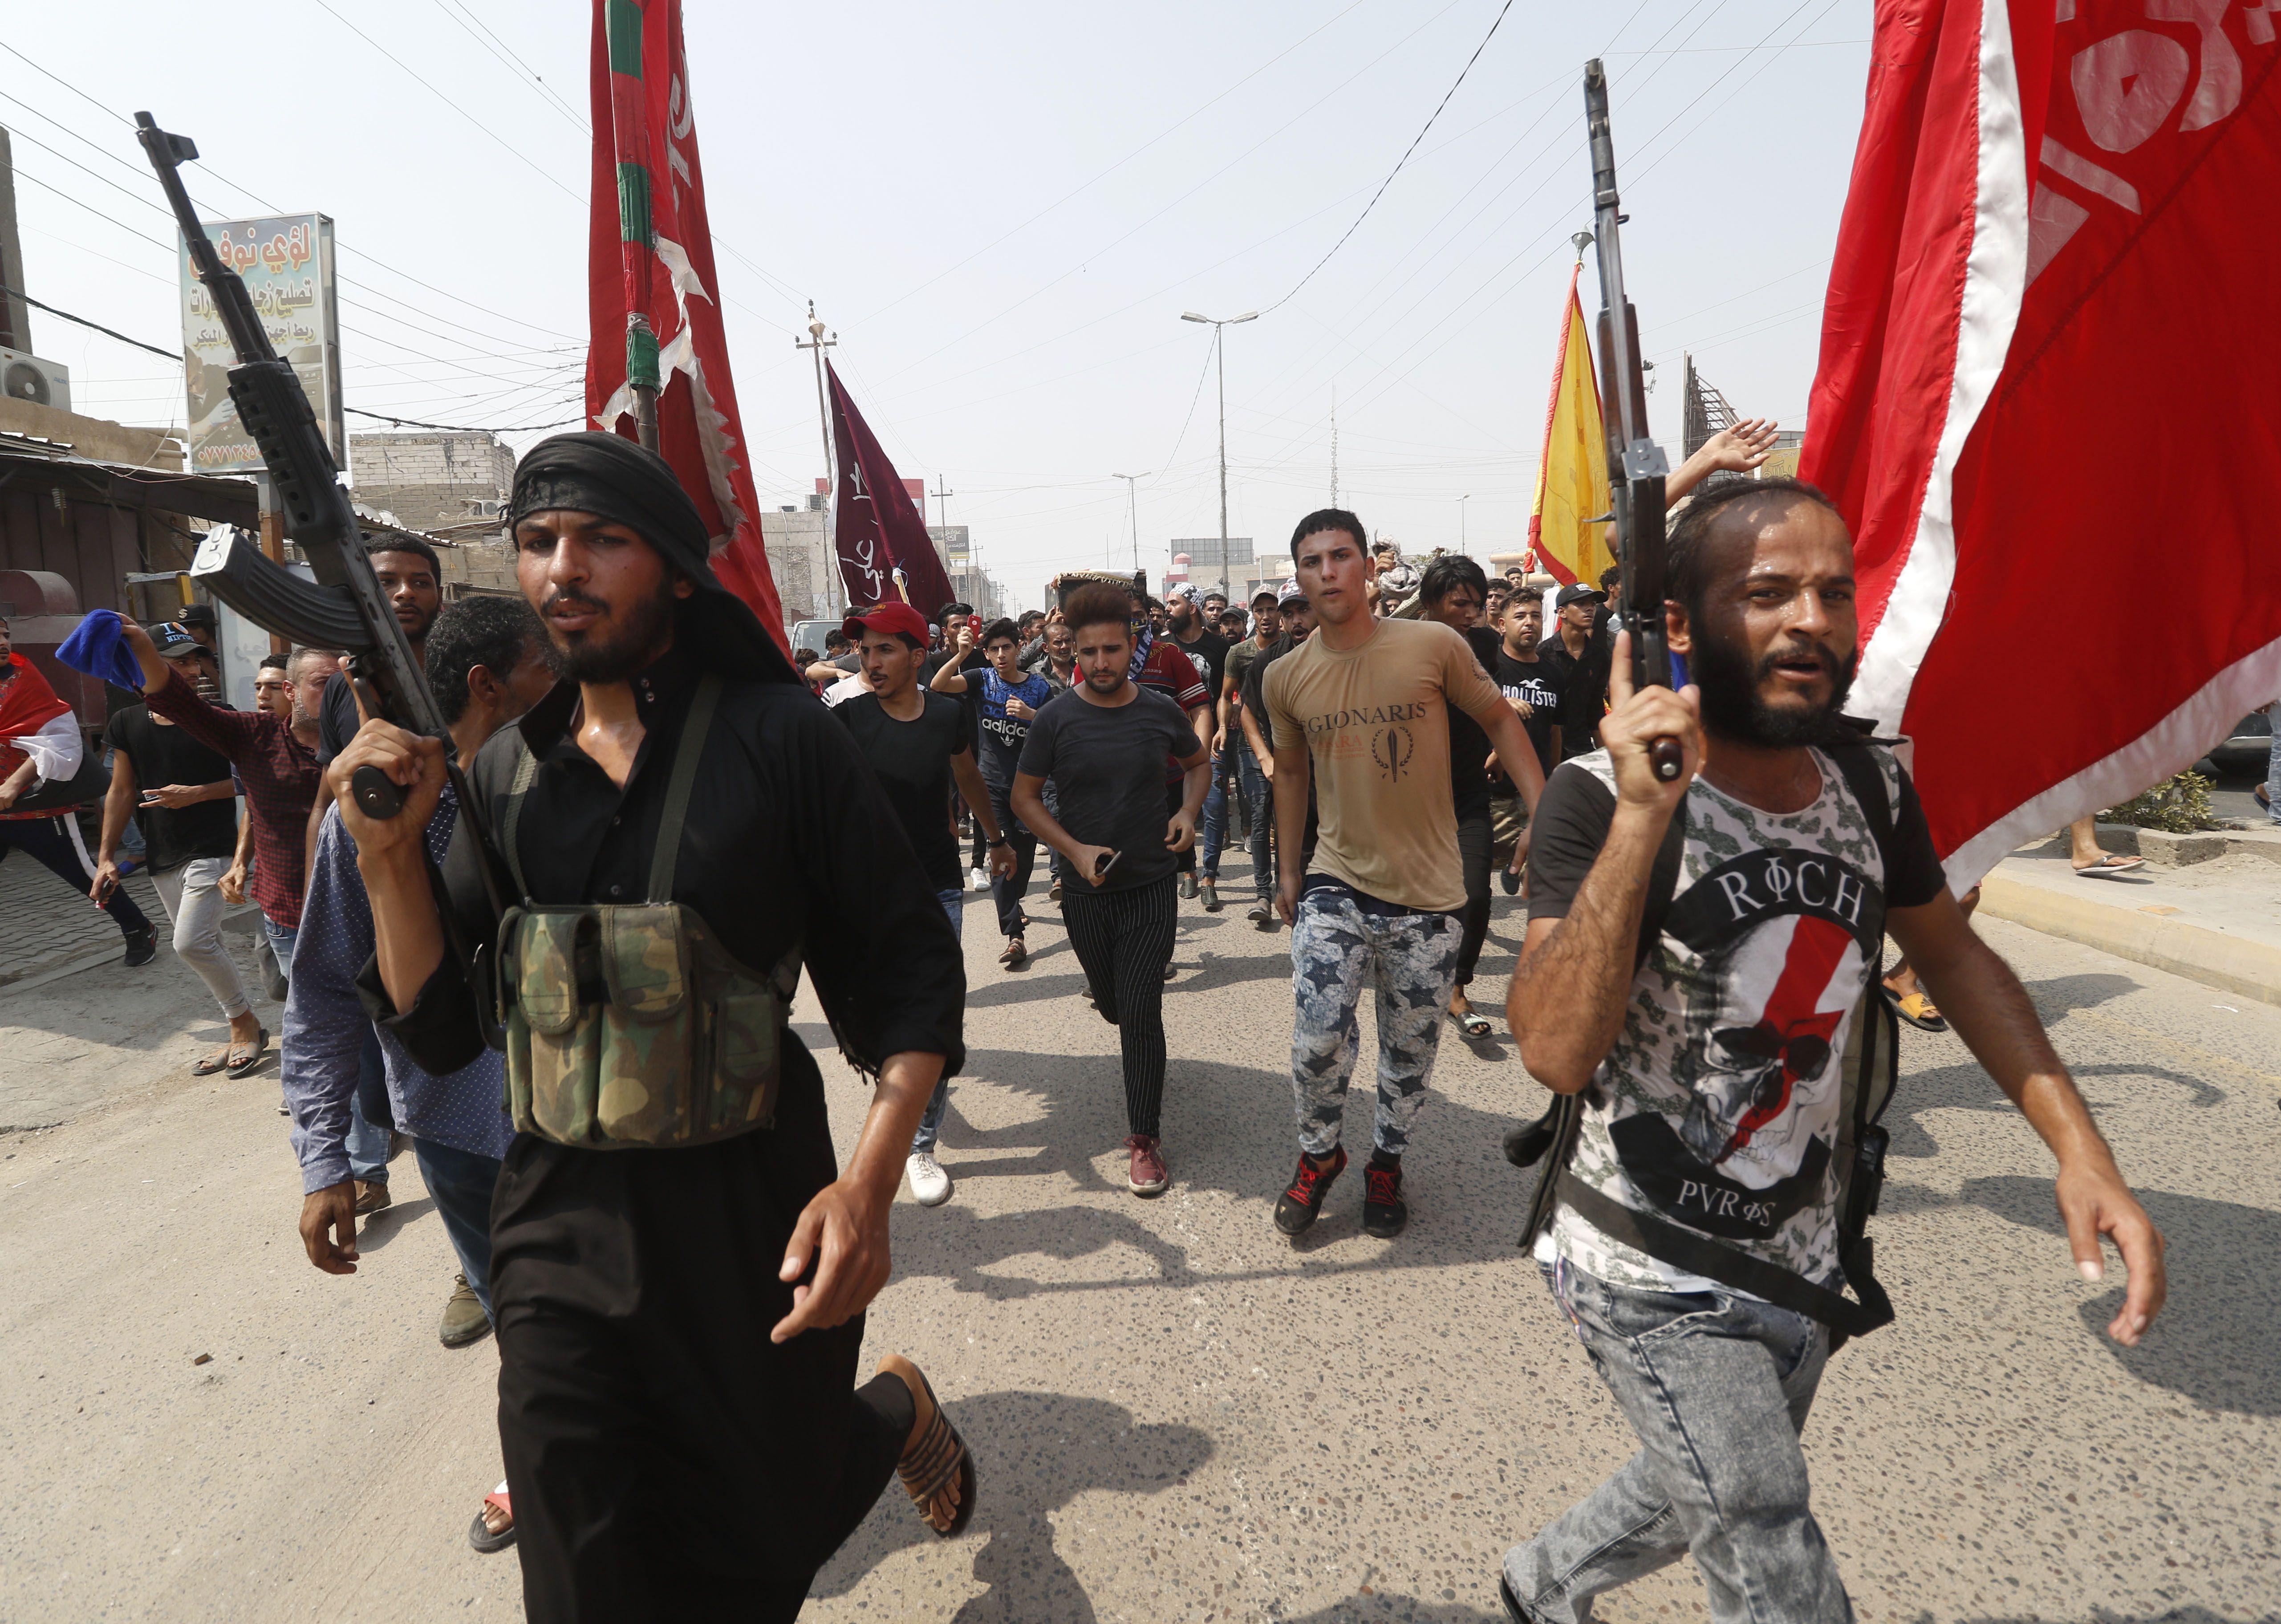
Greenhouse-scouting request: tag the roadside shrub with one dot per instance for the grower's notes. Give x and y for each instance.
(2176, 806)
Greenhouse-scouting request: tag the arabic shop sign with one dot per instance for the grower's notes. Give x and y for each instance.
(286, 265)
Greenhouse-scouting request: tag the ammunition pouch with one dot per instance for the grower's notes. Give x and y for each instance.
(631, 1025)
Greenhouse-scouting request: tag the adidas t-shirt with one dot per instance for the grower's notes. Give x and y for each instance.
(1717, 1108)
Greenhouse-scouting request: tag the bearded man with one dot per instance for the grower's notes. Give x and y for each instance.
(679, 1270)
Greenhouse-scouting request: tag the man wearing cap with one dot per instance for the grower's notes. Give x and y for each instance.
(41, 746)
(1236, 744)
(1577, 663)
(275, 761)
(679, 1270)
(189, 813)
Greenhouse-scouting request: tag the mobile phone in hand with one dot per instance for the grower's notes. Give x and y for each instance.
(1105, 864)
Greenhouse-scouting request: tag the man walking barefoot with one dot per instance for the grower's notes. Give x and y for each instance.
(1360, 710)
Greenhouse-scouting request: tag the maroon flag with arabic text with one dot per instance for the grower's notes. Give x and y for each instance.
(878, 533)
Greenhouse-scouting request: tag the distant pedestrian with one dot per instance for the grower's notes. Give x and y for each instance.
(1578, 663)
(1103, 745)
(1298, 625)
(1009, 699)
(182, 791)
(1526, 682)
(41, 748)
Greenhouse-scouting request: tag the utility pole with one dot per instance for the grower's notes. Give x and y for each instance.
(1133, 501)
(942, 494)
(818, 343)
(1461, 520)
(1334, 446)
(1220, 355)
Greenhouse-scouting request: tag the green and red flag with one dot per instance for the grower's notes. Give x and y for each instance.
(650, 256)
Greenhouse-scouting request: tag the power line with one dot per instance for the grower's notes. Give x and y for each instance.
(83, 322)
(1399, 162)
(406, 423)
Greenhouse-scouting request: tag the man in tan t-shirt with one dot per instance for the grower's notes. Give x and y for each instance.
(1362, 707)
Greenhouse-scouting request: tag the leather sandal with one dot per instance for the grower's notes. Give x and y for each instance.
(245, 1057)
(479, 1534)
(930, 1465)
(1472, 1022)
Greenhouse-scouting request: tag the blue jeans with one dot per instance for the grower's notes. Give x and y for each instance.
(281, 937)
(930, 1132)
(369, 1127)
(460, 1183)
(1717, 1387)
(1259, 802)
(1216, 812)
(2273, 765)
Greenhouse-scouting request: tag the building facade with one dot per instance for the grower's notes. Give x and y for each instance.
(432, 479)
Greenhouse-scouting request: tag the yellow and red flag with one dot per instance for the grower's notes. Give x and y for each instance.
(1572, 477)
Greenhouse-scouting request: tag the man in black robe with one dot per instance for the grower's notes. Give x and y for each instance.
(678, 1327)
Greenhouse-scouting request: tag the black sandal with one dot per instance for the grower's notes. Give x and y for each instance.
(930, 1465)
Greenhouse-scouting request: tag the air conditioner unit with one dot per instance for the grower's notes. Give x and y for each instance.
(27, 377)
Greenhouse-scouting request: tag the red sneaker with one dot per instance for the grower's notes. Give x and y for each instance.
(1303, 1200)
(1148, 1175)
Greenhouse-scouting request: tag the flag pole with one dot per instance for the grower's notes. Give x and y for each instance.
(636, 232)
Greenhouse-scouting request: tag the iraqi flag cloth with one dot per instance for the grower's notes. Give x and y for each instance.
(2047, 397)
(650, 249)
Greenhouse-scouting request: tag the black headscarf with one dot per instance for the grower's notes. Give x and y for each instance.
(616, 479)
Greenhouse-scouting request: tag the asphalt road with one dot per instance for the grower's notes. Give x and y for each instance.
(1177, 1414)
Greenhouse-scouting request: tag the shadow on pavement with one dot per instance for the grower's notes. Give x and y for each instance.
(1967, 1088)
(2213, 1341)
(377, 1229)
(1034, 1454)
(1390, 1606)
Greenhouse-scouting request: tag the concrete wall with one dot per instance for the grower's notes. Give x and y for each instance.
(801, 561)
(431, 479)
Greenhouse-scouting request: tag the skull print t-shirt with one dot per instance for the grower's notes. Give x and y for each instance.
(1718, 1106)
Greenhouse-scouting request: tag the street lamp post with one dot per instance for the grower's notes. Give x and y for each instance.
(1220, 357)
(1133, 502)
(1461, 520)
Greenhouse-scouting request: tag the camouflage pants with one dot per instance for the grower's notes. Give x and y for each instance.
(1341, 943)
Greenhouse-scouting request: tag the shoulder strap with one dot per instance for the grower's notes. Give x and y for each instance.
(526, 768)
(667, 852)
(1698, 1254)
(1857, 764)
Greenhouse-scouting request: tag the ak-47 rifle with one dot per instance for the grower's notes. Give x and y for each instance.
(345, 608)
(1637, 466)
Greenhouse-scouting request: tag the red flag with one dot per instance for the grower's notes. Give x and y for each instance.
(650, 248)
(2044, 390)
(878, 528)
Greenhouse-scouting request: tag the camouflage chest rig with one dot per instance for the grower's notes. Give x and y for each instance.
(631, 1026)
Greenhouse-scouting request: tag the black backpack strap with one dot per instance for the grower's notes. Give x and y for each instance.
(526, 769)
(667, 853)
(1698, 1254)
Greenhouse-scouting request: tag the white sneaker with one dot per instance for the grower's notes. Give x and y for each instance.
(931, 1186)
(980, 878)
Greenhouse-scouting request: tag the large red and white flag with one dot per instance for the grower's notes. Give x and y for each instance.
(2047, 397)
(650, 249)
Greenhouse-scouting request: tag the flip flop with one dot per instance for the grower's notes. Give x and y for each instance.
(2110, 865)
(239, 1068)
(929, 1464)
(1915, 1008)
(209, 1064)
(482, 1538)
(1472, 1022)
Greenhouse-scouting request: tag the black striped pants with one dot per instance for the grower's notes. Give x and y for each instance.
(1124, 940)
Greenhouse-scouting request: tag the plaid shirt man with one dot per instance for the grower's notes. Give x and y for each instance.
(279, 773)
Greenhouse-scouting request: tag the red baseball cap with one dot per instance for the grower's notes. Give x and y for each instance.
(888, 617)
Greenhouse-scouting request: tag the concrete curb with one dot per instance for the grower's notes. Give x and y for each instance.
(2251, 969)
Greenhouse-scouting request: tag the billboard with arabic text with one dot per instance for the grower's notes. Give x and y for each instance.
(287, 264)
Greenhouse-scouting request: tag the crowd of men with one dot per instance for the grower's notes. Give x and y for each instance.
(628, 1144)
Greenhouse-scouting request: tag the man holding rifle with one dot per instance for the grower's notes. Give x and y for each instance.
(1696, 947)
(678, 1273)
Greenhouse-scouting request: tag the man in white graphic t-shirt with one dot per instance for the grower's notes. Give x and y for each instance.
(1695, 952)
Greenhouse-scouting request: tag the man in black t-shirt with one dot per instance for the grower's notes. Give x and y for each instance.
(1690, 978)
(1579, 665)
(180, 791)
(1103, 746)
(919, 744)
(1529, 685)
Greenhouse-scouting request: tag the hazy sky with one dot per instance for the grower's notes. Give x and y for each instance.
(1002, 210)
